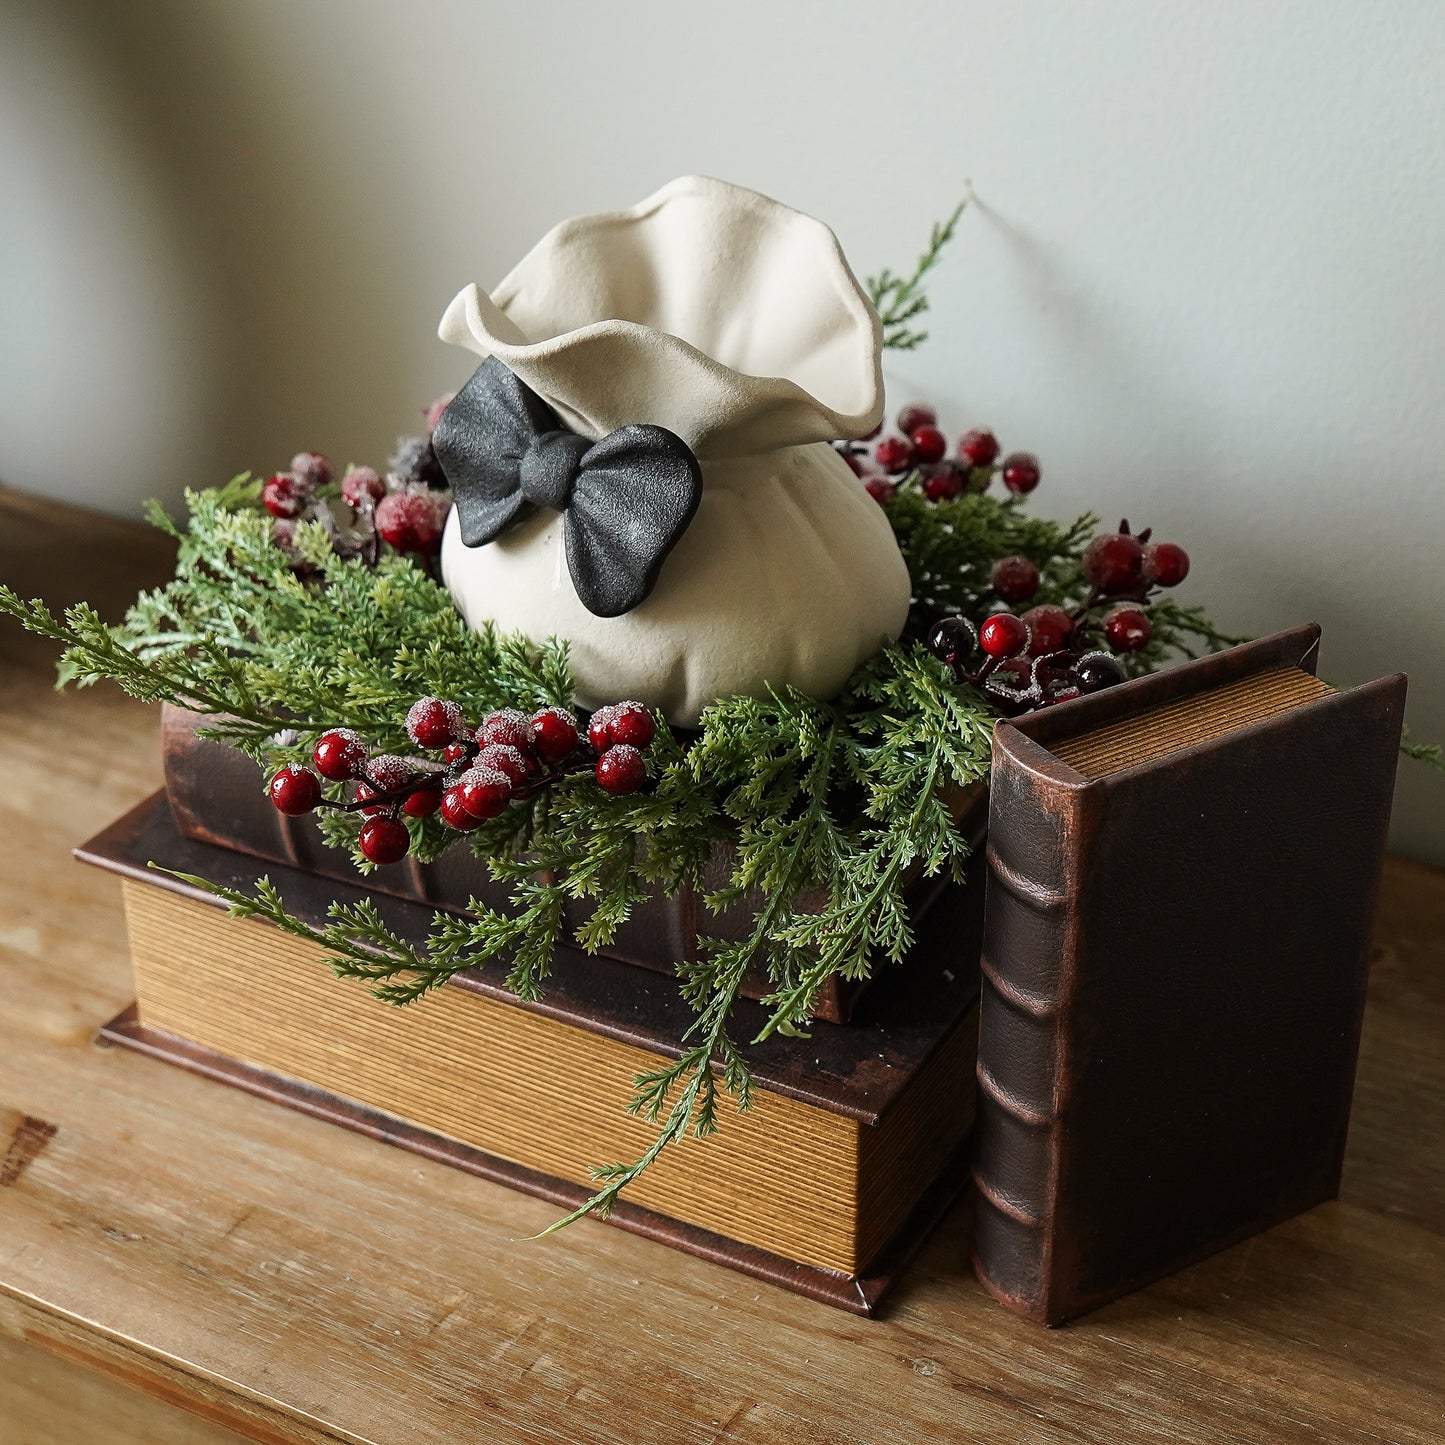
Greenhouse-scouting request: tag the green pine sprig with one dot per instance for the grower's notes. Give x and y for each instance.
(902, 300)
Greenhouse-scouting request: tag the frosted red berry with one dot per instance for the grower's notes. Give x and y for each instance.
(340, 754)
(894, 455)
(509, 727)
(1166, 564)
(1127, 628)
(383, 840)
(1021, 472)
(1050, 629)
(554, 734)
(411, 521)
(484, 791)
(1003, 635)
(454, 812)
(632, 725)
(1015, 579)
(979, 447)
(1113, 562)
(621, 770)
(881, 489)
(423, 803)
(943, 483)
(455, 752)
(433, 413)
(362, 487)
(433, 722)
(294, 790)
(384, 774)
(312, 468)
(283, 495)
(929, 444)
(915, 415)
(511, 762)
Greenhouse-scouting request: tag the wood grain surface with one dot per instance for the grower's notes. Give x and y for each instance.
(285, 1280)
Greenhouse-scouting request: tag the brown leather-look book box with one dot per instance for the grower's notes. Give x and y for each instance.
(217, 796)
(1182, 878)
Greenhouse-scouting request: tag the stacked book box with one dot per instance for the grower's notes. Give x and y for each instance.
(856, 1144)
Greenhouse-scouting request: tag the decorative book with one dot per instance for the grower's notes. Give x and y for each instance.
(1182, 875)
(217, 796)
(853, 1148)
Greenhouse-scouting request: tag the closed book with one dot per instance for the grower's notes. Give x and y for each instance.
(855, 1144)
(1182, 877)
(217, 795)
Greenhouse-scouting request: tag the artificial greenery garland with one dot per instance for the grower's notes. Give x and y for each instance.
(842, 797)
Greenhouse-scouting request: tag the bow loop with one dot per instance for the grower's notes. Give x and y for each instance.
(626, 499)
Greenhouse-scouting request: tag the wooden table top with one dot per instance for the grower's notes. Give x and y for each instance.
(286, 1280)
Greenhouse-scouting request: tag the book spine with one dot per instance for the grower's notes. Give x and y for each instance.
(1029, 937)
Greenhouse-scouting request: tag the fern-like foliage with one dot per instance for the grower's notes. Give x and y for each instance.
(841, 801)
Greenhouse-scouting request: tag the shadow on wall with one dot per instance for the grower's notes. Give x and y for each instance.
(174, 308)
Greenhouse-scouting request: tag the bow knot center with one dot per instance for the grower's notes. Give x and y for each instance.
(549, 468)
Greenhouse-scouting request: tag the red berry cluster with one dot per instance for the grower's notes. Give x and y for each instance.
(406, 509)
(1049, 654)
(505, 758)
(921, 447)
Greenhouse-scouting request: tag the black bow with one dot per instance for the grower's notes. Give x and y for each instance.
(627, 498)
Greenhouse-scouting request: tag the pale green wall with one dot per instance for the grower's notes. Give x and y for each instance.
(1205, 281)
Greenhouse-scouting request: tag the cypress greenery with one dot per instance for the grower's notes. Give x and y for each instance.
(843, 797)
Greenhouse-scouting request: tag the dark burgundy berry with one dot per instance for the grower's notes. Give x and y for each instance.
(953, 641)
(484, 791)
(283, 495)
(858, 463)
(1015, 579)
(554, 734)
(312, 468)
(881, 489)
(362, 487)
(340, 754)
(1050, 629)
(433, 723)
(894, 455)
(915, 415)
(1113, 562)
(632, 724)
(1127, 628)
(455, 814)
(621, 770)
(1008, 686)
(423, 803)
(509, 727)
(294, 790)
(511, 762)
(1003, 635)
(979, 447)
(383, 840)
(943, 483)
(1095, 671)
(929, 444)
(411, 521)
(1166, 564)
(1021, 472)
(455, 752)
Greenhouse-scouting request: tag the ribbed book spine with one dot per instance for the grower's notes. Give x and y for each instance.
(1029, 938)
